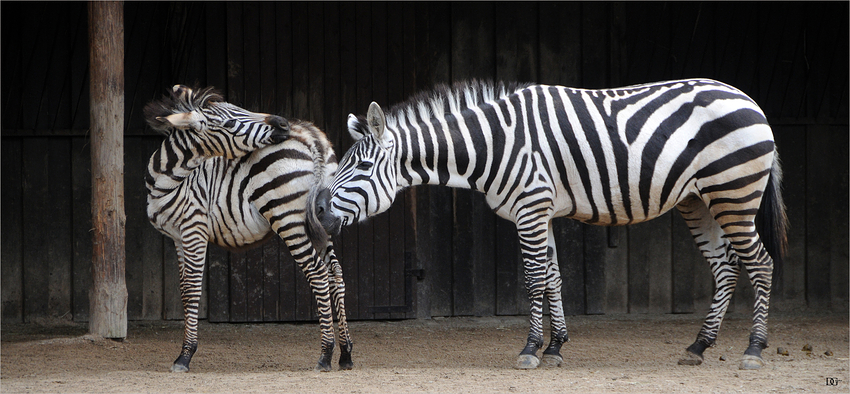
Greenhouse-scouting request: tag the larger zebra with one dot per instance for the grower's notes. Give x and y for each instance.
(235, 178)
(606, 157)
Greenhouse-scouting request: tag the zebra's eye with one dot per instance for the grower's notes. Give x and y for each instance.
(364, 165)
(230, 123)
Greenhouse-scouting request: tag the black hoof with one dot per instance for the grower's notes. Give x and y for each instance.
(324, 364)
(345, 362)
(182, 362)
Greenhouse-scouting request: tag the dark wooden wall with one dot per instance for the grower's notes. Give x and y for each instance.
(438, 252)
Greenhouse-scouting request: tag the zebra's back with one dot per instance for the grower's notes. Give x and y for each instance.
(627, 155)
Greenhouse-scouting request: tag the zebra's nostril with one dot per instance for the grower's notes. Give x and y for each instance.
(278, 122)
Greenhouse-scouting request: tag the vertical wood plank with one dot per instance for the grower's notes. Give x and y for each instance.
(215, 33)
(594, 268)
(839, 237)
(826, 191)
(11, 226)
(217, 274)
(35, 258)
(252, 58)
(288, 277)
(47, 254)
(649, 266)
(686, 259)
(235, 54)
(569, 240)
(82, 224)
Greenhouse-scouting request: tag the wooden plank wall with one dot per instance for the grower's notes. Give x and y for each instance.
(321, 61)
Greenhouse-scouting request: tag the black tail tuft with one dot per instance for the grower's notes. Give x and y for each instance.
(772, 221)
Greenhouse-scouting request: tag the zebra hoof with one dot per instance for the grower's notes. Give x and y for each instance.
(177, 368)
(551, 360)
(527, 361)
(751, 362)
(691, 359)
(346, 365)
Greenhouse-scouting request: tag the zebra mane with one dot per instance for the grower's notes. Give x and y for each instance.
(180, 100)
(444, 99)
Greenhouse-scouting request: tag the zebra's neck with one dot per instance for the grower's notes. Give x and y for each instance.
(451, 149)
(175, 159)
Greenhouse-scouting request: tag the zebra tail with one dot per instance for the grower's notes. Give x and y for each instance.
(772, 221)
(315, 231)
(317, 234)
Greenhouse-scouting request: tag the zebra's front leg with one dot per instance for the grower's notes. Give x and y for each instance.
(534, 254)
(190, 257)
(552, 355)
(338, 296)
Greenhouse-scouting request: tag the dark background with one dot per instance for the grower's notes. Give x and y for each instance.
(438, 251)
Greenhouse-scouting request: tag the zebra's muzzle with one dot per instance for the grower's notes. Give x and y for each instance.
(330, 222)
(280, 131)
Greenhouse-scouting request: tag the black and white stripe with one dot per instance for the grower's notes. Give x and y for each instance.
(604, 157)
(236, 178)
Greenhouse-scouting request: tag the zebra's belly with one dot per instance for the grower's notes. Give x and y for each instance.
(240, 230)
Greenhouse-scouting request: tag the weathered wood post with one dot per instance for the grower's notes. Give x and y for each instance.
(108, 294)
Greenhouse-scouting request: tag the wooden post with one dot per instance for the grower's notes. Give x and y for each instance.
(108, 294)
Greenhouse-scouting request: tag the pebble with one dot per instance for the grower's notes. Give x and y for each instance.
(781, 350)
(722, 358)
(807, 348)
(828, 353)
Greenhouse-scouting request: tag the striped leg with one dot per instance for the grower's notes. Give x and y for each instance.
(534, 246)
(552, 355)
(338, 295)
(741, 231)
(316, 272)
(724, 267)
(190, 256)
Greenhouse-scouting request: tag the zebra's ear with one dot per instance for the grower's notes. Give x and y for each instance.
(356, 127)
(376, 120)
(181, 121)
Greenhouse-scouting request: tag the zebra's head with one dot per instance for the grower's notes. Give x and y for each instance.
(365, 182)
(216, 127)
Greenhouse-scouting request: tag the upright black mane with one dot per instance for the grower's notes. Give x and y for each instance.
(180, 100)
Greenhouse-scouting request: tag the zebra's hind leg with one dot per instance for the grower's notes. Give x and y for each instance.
(552, 355)
(190, 256)
(724, 268)
(338, 297)
(741, 231)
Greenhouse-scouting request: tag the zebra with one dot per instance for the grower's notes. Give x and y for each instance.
(234, 178)
(604, 157)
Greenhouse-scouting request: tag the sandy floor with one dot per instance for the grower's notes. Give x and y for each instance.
(614, 353)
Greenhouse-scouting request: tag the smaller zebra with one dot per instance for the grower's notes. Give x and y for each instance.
(234, 178)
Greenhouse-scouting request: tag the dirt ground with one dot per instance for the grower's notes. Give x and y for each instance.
(609, 353)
